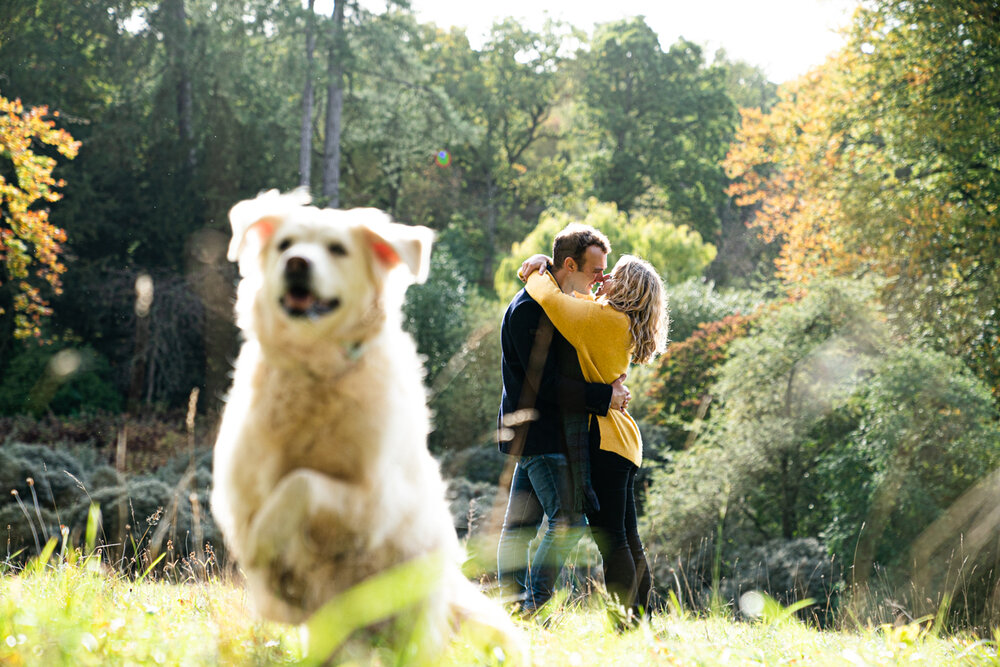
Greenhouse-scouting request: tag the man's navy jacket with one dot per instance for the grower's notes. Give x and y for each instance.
(561, 387)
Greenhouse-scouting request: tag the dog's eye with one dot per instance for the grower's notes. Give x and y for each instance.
(337, 249)
(284, 245)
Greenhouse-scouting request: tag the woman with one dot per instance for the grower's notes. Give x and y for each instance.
(626, 323)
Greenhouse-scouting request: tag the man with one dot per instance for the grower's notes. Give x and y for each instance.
(544, 395)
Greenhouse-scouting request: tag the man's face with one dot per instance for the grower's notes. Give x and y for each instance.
(583, 279)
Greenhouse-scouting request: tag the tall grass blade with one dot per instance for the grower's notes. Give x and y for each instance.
(941, 617)
(38, 564)
(774, 613)
(150, 568)
(93, 520)
(375, 599)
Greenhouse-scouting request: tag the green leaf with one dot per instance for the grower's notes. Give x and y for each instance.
(376, 599)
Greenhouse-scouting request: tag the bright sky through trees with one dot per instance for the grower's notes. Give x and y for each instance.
(784, 37)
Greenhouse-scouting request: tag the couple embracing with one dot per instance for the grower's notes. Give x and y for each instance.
(563, 415)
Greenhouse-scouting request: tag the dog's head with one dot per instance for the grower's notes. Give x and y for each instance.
(320, 271)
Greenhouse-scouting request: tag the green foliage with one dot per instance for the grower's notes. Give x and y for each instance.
(677, 252)
(93, 618)
(931, 70)
(64, 381)
(436, 313)
(389, 156)
(505, 92)
(165, 511)
(465, 395)
(926, 434)
(636, 96)
(697, 302)
(746, 84)
(680, 394)
(881, 161)
(829, 426)
(676, 389)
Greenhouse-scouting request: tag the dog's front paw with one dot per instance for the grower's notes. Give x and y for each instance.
(278, 528)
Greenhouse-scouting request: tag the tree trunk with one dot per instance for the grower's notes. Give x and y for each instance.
(305, 138)
(492, 191)
(789, 497)
(177, 42)
(140, 355)
(334, 108)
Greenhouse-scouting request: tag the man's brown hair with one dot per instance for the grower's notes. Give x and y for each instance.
(574, 240)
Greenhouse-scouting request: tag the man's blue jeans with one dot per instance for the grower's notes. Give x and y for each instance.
(541, 486)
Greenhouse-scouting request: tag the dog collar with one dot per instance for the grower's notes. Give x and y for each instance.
(353, 351)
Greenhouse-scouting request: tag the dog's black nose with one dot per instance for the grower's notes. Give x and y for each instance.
(296, 269)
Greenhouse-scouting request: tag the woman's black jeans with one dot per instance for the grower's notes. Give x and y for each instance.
(615, 529)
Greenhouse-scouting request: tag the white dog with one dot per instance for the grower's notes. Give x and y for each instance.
(322, 473)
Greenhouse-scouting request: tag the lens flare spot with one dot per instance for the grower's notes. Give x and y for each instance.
(143, 294)
(65, 363)
(443, 158)
(752, 604)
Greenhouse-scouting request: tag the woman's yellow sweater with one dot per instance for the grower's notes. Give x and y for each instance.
(601, 337)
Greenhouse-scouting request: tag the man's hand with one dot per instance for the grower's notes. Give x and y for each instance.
(534, 263)
(620, 395)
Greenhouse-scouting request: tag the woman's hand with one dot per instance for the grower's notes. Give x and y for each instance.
(534, 263)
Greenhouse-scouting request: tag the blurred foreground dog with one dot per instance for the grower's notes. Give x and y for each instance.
(322, 474)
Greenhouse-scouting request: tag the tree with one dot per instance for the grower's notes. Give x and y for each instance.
(883, 160)
(176, 41)
(746, 85)
(396, 119)
(305, 136)
(336, 55)
(676, 251)
(659, 123)
(29, 243)
(680, 394)
(828, 424)
(743, 258)
(347, 33)
(506, 92)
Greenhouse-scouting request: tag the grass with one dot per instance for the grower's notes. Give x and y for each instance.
(73, 611)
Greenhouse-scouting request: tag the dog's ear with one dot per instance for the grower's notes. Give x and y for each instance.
(393, 244)
(256, 219)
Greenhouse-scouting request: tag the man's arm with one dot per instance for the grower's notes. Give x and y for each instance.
(557, 390)
(592, 397)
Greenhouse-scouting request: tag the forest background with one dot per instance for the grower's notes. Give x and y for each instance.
(825, 423)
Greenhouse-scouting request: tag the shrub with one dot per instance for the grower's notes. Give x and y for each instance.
(696, 302)
(146, 514)
(63, 381)
(132, 509)
(679, 396)
(465, 396)
(677, 252)
(46, 467)
(788, 571)
(471, 504)
(435, 313)
(831, 427)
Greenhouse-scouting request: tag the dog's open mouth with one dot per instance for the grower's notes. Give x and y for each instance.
(301, 302)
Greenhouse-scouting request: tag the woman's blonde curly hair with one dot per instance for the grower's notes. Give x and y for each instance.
(636, 289)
